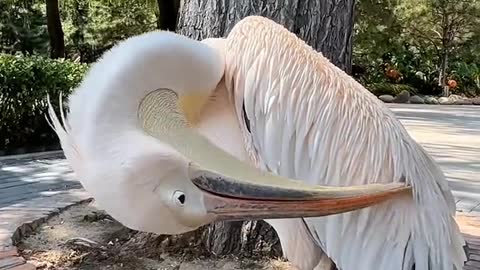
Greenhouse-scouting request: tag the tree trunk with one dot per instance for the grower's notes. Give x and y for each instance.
(250, 238)
(80, 11)
(443, 74)
(327, 26)
(55, 32)
(167, 14)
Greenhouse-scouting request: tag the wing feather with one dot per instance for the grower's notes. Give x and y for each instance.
(310, 121)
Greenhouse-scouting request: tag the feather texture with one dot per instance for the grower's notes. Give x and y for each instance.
(311, 121)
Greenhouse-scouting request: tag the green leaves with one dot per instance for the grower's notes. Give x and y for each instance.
(25, 83)
(468, 75)
(93, 26)
(22, 27)
(413, 37)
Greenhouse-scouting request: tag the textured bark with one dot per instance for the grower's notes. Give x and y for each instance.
(442, 76)
(242, 239)
(326, 25)
(55, 32)
(249, 239)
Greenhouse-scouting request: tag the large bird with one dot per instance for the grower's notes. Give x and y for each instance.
(168, 134)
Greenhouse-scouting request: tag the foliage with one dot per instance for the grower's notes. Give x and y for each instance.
(390, 89)
(469, 77)
(442, 25)
(91, 27)
(22, 27)
(25, 83)
(408, 35)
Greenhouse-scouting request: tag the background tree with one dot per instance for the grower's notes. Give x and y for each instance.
(55, 31)
(23, 27)
(94, 26)
(443, 25)
(403, 36)
(327, 26)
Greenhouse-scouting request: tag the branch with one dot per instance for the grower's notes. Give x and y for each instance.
(426, 36)
(438, 34)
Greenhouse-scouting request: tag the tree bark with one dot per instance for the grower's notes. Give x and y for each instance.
(442, 77)
(55, 32)
(167, 14)
(250, 238)
(324, 25)
(327, 26)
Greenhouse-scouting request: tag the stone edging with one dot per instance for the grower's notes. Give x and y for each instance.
(404, 97)
(33, 155)
(31, 221)
(27, 228)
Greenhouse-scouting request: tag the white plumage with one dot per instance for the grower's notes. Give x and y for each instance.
(307, 119)
(310, 121)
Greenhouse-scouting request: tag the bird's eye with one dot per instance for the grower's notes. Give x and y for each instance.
(179, 198)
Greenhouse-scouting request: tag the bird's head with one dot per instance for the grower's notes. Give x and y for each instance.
(130, 141)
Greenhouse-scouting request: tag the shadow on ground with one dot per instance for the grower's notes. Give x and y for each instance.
(28, 178)
(451, 134)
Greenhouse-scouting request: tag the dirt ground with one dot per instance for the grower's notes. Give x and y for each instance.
(84, 237)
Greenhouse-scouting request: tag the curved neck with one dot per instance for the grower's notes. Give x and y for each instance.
(105, 105)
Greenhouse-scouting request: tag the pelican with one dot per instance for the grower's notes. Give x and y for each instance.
(169, 134)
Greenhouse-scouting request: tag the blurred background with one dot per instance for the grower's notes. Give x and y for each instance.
(425, 48)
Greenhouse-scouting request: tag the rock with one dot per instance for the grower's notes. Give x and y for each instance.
(468, 101)
(455, 97)
(403, 97)
(416, 100)
(445, 101)
(431, 100)
(476, 101)
(463, 102)
(386, 98)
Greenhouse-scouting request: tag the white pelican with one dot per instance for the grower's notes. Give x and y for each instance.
(168, 134)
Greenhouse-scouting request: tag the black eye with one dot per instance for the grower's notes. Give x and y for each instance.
(179, 197)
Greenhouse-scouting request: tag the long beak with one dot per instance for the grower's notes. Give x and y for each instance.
(272, 196)
(236, 190)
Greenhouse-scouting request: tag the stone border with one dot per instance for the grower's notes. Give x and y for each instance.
(46, 154)
(35, 213)
(29, 227)
(405, 97)
(29, 150)
(437, 104)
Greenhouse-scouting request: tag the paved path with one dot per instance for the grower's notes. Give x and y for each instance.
(452, 135)
(31, 189)
(31, 177)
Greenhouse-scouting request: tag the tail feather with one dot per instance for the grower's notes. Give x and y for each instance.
(62, 130)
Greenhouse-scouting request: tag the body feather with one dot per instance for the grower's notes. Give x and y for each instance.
(311, 121)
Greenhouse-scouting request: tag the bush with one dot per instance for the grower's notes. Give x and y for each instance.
(25, 83)
(468, 77)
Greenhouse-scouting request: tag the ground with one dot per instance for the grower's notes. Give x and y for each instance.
(86, 238)
(451, 134)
